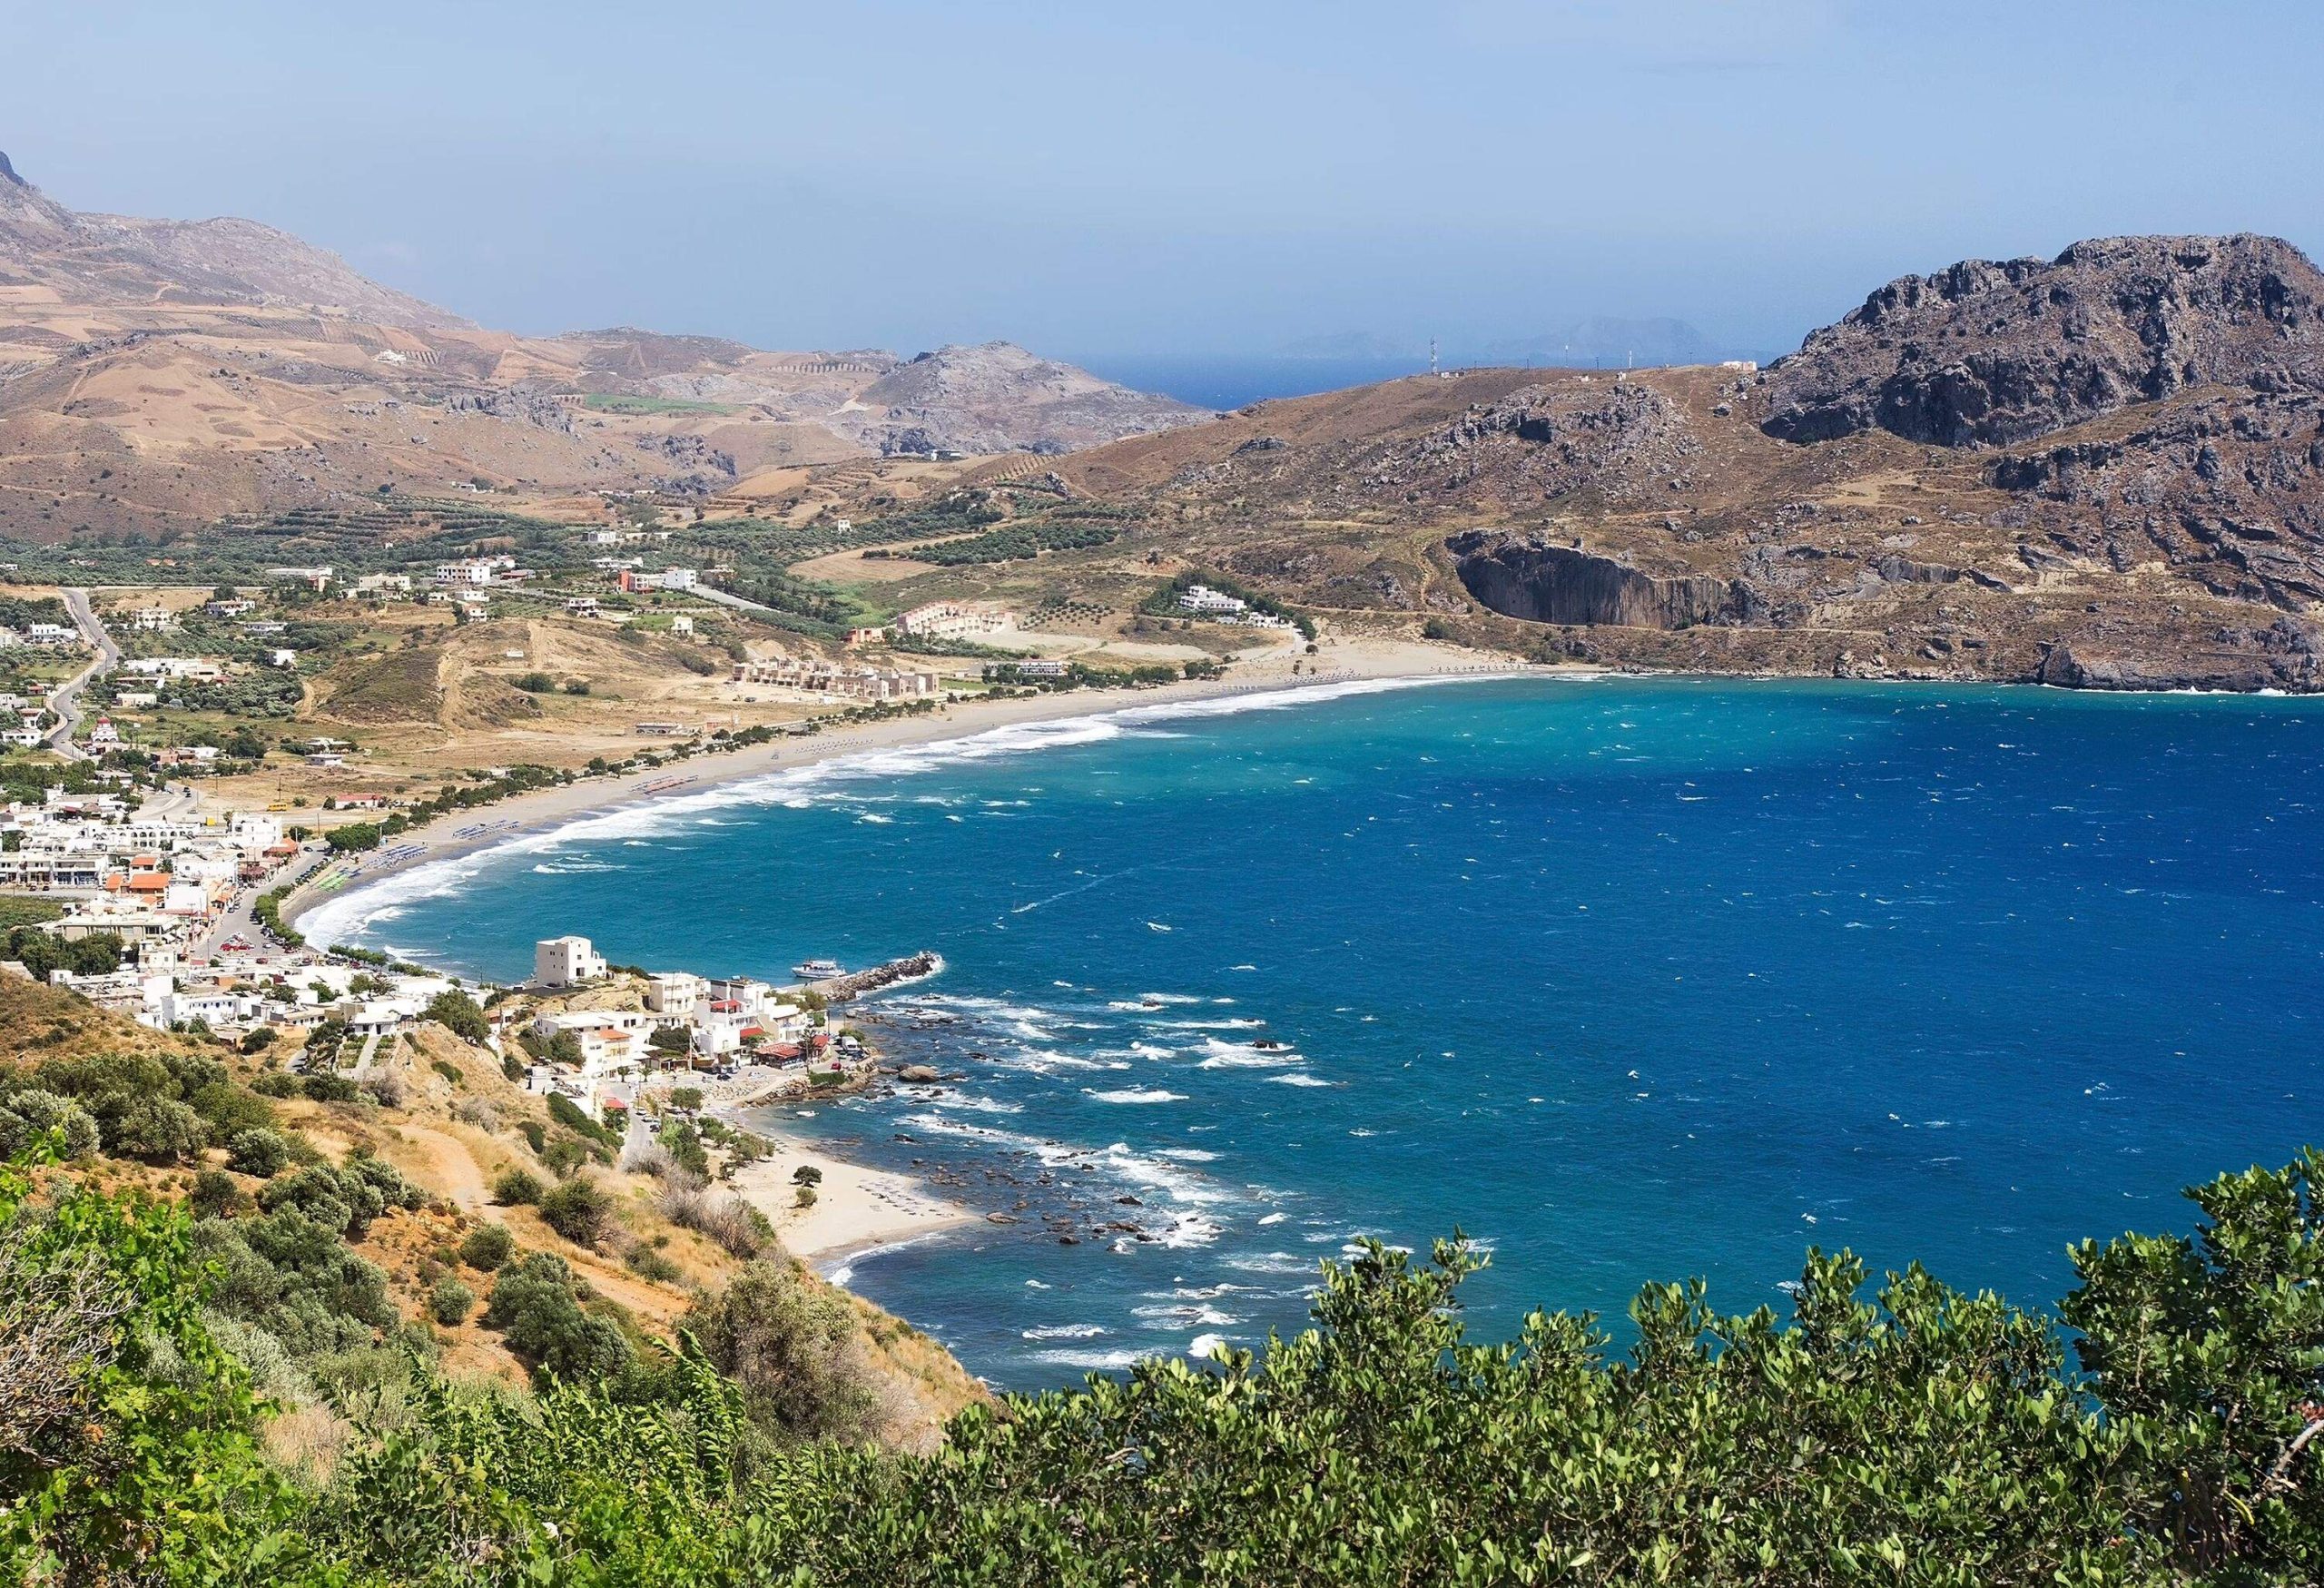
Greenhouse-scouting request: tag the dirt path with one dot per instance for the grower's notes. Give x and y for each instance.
(452, 1168)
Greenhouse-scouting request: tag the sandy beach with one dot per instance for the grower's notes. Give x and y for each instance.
(855, 1207)
(486, 827)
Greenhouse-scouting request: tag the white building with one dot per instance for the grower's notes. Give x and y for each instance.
(567, 961)
(612, 1041)
(1202, 598)
(51, 633)
(678, 579)
(472, 573)
(674, 993)
(951, 619)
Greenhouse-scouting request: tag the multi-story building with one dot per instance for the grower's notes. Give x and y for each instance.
(567, 961)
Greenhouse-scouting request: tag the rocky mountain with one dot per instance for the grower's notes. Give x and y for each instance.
(157, 375)
(2102, 469)
(992, 398)
(120, 259)
(1988, 353)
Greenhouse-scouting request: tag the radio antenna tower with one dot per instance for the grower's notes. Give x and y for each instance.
(1432, 356)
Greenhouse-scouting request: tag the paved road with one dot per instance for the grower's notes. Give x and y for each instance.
(724, 600)
(67, 699)
(238, 919)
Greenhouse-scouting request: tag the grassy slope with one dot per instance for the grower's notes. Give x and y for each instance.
(455, 1161)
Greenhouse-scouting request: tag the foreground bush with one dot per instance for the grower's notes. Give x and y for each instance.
(1916, 1436)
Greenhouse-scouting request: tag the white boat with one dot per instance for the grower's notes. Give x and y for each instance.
(817, 970)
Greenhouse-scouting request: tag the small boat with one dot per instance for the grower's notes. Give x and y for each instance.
(817, 970)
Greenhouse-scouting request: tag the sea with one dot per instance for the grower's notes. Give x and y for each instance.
(1626, 981)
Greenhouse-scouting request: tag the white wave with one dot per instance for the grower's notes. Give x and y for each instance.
(1250, 1059)
(845, 1272)
(1064, 1332)
(1233, 1024)
(1203, 1347)
(1189, 1229)
(1042, 1061)
(1189, 1154)
(1146, 1172)
(982, 1105)
(1271, 1263)
(1297, 1078)
(1149, 1051)
(1167, 998)
(345, 914)
(1136, 1094)
(875, 818)
(1180, 1316)
(1095, 1361)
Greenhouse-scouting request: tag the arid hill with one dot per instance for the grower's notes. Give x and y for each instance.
(121, 261)
(2103, 469)
(158, 375)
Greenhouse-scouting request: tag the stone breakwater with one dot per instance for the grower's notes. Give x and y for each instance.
(895, 972)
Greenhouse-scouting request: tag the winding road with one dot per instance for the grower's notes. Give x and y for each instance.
(65, 700)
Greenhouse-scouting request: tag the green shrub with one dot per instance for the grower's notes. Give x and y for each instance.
(345, 1200)
(487, 1247)
(327, 1088)
(578, 1210)
(573, 1117)
(684, 1144)
(515, 1187)
(215, 1194)
(32, 1114)
(451, 1302)
(261, 1152)
(535, 1307)
(645, 1261)
(789, 1345)
(278, 1084)
(461, 1015)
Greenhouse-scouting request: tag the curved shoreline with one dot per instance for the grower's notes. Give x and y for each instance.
(538, 818)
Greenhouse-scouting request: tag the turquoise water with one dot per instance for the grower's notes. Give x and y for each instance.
(1633, 980)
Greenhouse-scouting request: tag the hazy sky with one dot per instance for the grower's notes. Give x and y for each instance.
(1183, 178)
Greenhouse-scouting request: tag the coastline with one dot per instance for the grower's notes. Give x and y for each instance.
(859, 1208)
(532, 816)
(856, 1208)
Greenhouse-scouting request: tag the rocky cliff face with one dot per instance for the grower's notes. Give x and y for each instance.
(1520, 577)
(2102, 471)
(1987, 354)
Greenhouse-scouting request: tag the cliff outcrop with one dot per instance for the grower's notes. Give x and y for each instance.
(1992, 353)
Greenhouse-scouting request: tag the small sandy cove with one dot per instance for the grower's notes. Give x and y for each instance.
(855, 1207)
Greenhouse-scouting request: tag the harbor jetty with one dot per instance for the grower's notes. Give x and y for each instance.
(912, 968)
